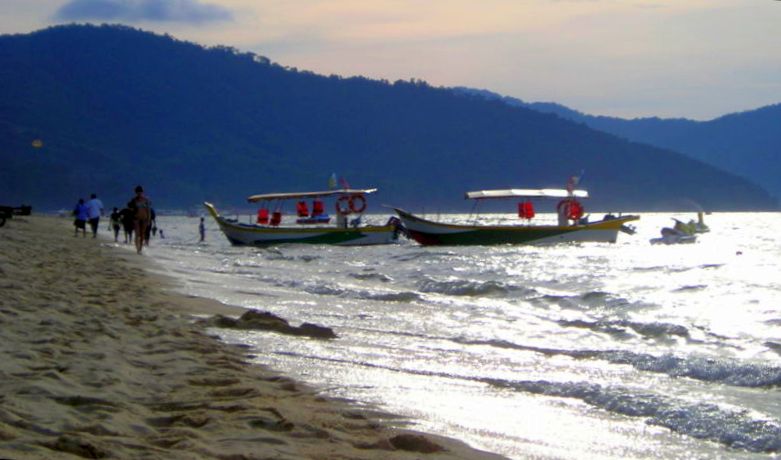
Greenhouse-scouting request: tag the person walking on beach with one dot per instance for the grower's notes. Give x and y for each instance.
(81, 215)
(128, 219)
(94, 210)
(142, 216)
(202, 230)
(116, 223)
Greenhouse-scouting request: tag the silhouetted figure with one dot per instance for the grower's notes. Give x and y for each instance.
(202, 229)
(142, 216)
(127, 217)
(94, 211)
(115, 223)
(81, 215)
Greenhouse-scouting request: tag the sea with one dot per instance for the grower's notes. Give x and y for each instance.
(589, 350)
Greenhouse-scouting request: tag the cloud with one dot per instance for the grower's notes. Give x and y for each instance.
(192, 11)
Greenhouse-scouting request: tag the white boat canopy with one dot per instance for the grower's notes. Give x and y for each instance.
(526, 193)
(297, 195)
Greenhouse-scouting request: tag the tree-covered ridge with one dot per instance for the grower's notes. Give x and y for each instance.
(746, 143)
(116, 106)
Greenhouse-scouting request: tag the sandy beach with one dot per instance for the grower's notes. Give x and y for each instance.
(100, 359)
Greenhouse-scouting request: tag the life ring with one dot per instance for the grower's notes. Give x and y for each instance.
(571, 208)
(343, 205)
(575, 210)
(357, 208)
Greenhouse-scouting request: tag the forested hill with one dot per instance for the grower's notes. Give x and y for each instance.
(115, 107)
(746, 143)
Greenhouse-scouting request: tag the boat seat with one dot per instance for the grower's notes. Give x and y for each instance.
(317, 208)
(302, 209)
(262, 216)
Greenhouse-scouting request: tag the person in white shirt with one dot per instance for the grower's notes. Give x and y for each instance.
(94, 211)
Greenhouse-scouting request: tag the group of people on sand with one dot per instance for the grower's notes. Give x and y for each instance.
(85, 212)
(136, 218)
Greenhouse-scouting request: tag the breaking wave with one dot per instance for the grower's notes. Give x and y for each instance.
(371, 277)
(621, 328)
(469, 288)
(724, 371)
(736, 429)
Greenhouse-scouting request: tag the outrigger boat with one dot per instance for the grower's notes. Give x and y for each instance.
(310, 227)
(572, 225)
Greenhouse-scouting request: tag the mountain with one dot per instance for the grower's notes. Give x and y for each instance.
(746, 143)
(114, 107)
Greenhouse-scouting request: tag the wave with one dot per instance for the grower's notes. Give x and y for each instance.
(653, 268)
(672, 269)
(256, 293)
(599, 326)
(595, 296)
(591, 299)
(620, 328)
(278, 256)
(724, 371)
(469, 288)
(248, 263)
(421, 254)
(371, 277)
(326, 289)
(312, 288)
(403, 296)
(708, 266)
(736, 429)
(693, 287)
(775, 346)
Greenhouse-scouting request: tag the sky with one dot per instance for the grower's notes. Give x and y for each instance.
(696, 59)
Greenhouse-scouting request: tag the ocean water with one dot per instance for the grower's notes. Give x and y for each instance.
(626, 350)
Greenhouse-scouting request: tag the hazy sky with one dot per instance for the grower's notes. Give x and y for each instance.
(671, 58)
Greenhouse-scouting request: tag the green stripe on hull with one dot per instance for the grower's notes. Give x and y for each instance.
(488, 236)
(255, 235)
(427, 232)
(322, 238)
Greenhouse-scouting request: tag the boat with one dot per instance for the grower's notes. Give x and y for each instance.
(572, 225)
(673, 236)
(314, 227)
(681, 233)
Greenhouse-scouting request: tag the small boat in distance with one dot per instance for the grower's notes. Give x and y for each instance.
(571, 226)
(313, 227)
(682, 233)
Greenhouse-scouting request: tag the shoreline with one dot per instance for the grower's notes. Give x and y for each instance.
(104, 360)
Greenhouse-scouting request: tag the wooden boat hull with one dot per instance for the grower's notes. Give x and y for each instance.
(428, 232)
(262, 235)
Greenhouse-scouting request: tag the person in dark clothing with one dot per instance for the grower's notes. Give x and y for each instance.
(81, 213)
(116, 223)
(142, 215)
(127, 217)
(94, 211)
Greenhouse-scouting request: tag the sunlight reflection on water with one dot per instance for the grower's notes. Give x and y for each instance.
(583, 350)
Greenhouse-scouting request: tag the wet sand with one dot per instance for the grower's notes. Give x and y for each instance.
(101, 360)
